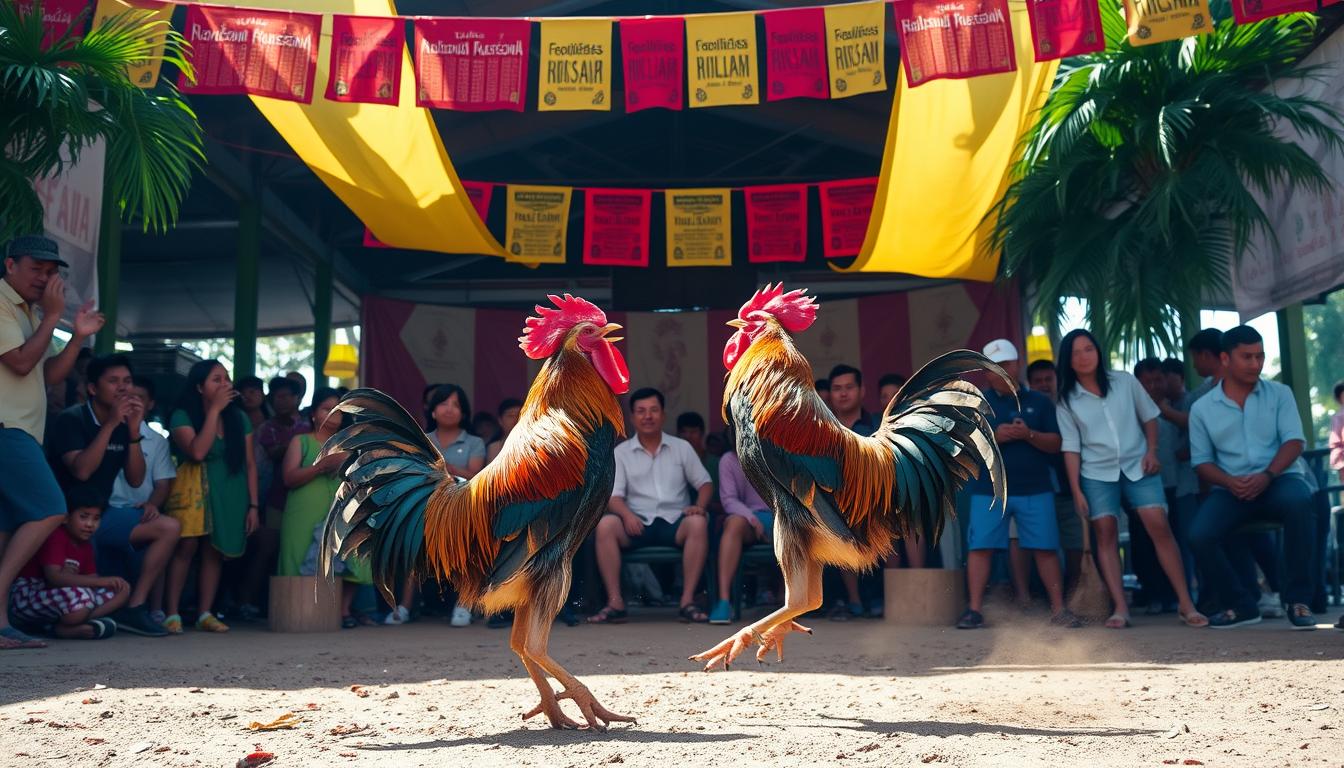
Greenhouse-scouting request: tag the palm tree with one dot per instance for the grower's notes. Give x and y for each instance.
(1134, 190)
(58, 99)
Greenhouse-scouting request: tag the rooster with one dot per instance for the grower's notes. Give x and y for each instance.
(839, 498)
(505, 538)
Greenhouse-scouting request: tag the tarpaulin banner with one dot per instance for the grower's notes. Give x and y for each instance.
(575, 68)
(653, 53)
(144, 73)
(58, 16)
(856, 48)
(721, 59)
(366, 56)
(954, 40)
(480, 193)
(699, 227)
(1157, 21)
(471, 65)
(243, 50)
(1247, 11)
(538, 222)
(776, 223)
(616, 227)
(1061, 28)
(795, 54)
(845, 208)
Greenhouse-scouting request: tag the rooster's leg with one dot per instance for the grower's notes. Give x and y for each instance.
(802, 593)
(537, 629)
(549, 704)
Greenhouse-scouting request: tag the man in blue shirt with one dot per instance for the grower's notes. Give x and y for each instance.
(1028, 435)
(1245, 440)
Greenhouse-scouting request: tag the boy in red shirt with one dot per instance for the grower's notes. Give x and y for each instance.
(61, 587)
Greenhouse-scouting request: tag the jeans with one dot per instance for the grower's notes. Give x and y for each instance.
(1287, 501)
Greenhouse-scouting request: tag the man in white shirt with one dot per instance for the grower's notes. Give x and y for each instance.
(655, 473)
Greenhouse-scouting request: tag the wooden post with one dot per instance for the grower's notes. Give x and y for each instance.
(321, 318)
(246, 298)
(305, 604)
(924, 596)
(1293, 357)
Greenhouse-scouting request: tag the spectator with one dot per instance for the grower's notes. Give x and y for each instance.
(888, 386)
(298, 378)
(748, 521)
(824, 391)
(32, 510)
(60, 587)
(272, 439)
(1206, 349)
(1109, 429)
(90, 446)
(1181, 480)
(648, 507)
(1028, 435)
(691, 428)
(1041, 378)
(252, 399)
(1245, 439)
(1337, 433)
(485, 426)
(1157, 592)
(215, 492)
(509, 411)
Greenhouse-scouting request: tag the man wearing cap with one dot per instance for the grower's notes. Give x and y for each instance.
(1028, 435)
(31, 503)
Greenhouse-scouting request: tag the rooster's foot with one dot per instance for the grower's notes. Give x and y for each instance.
(550, 706)
(598, 716)
(774, 638)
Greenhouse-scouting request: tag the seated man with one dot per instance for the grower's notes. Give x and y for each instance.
(1245, 440)
(90, 445)
(691, 428)
(648, 507)
(748, 521)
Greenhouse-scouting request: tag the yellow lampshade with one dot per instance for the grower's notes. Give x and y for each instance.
(1038, 348)
(342, 362)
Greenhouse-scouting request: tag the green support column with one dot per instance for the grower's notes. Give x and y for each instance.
(1189, 327)
(109, 271)
(246, 298)
(321, 317)
(1293, 356)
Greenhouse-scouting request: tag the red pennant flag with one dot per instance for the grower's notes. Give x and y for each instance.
(245, 50)
(472, 65)
(58, 16)
(366, 55)
(795, 49)
(653, 51)
(372, 242)
(1247, 11)
(480, 192)
(776, 223)
(1061, 28)
(845, 208)
(954, 40)
(616, 227)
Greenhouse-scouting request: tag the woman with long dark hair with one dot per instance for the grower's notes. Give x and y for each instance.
(1109, 426)
(218, 496)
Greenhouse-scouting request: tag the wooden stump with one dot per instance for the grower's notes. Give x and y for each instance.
(305, 604)
(924, 596)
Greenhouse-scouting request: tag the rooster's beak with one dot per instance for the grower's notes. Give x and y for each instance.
(611, 328)
(736, 323)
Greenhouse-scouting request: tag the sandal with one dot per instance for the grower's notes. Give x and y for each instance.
(365, 621)
(690, 613)
(1118, 621)
(608, 615)
(1195, 619)
(173, 624)
(349, 622)
(12, 639)
(103, 628)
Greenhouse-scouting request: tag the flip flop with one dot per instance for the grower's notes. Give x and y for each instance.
(1196, 619)
(103, 628)
(608, 615)
(1125, 623)
(12, 638)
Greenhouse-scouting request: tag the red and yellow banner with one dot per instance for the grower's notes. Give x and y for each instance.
(616, 227)
(243, 50)
(366, 56)
(575, 68)
(538, 222)
(1157, 21)
(480, 192)
(845, 209)
(653, 53)
(1063, 28)
(776, 223)
(699, 227)
(58, 17)
(1247, 11)
(721, 59)
(954, 39)
(856, 48)
(143, 73)
(472, 65)
(795, 54)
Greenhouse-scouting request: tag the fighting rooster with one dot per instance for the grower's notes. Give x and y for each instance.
(505, 538)
(840, 498)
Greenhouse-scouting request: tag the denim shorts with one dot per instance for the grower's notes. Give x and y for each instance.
(1034, 515)
(1104, 496)
(28, 489)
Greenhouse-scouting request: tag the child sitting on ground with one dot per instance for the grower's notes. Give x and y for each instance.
(60, 587)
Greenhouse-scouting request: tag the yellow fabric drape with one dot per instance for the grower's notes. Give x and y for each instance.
(386, 163)
(949, 153)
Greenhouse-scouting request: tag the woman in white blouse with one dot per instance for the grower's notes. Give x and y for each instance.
(1109, 426)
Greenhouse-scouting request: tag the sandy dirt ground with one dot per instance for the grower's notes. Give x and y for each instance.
(859, 693)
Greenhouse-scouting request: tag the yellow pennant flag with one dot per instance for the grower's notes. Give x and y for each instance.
(575, 65)
(721, 59)
(856, 48)
(144, 73)
(699, 227)
(538, 221)
(1157, 21)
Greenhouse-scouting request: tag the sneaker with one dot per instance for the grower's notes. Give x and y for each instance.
(838, 613)
(567, 615)
(501, 620)
(461, 616)
(1230, 619)
(1300, 617)
(722, 613)
(875, 609)
(1271, 607)
(249, 612)
(172, 624)
(159, 617)
(208, 623)
(970, 620)
(399, 615)
(1066, 618)
(137, 621)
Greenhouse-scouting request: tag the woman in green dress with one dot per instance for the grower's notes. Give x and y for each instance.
(210, 429)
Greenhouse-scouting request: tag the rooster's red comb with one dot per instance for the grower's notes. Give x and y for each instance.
(543, 333)
(794, 310)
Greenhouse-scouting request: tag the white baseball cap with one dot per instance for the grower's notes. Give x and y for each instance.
(1000, 351)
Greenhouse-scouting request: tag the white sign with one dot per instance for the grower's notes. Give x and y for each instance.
(73, 212)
